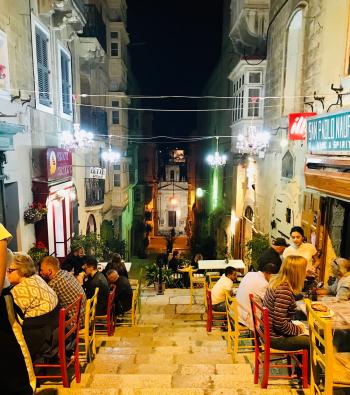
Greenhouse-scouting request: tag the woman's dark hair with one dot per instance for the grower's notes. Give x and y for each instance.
(116, 264)
(116, 258)
(298, 229)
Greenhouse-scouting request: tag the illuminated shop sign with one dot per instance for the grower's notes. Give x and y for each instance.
(329, 134)
(297, 125)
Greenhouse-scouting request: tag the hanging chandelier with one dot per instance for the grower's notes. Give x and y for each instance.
(79, 139)
(110, 156)
(253, 142)
(217, 159)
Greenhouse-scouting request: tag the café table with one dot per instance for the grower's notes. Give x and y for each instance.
(220, 264)
(340, 316)
(101, 266)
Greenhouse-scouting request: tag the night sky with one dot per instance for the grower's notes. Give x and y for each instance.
(174, 46)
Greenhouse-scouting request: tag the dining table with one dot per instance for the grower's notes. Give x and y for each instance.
(220, 264)
(339, 313)
(101, 266)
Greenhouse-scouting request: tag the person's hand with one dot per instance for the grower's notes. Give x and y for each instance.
(302, 327)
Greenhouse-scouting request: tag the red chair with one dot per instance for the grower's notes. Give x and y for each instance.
(214, 318)
(268, 357)
(105, 323)
(68, 331)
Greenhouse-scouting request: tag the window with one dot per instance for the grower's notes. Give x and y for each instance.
(116, 180)
(42, 61)
(116, 167)
(114, 49)
(66, 88)
(287, 165)
(115, 35)
(253, 102)
(115, 117)
(288, 215)
(255, 77)
(172, 219)
(115, 103)
(293, 67)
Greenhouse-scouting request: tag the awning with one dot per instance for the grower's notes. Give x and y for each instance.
(7, 131)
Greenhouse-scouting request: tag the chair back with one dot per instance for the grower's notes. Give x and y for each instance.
(321, 350)
(261, 324)
(208, 298)
(107, 321)
(232, 312)
(213, 279)
(90, 312)
(68, 339)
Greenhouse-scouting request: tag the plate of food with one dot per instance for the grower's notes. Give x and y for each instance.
(324, 311)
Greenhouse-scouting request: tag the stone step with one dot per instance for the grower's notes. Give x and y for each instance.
(130, 381)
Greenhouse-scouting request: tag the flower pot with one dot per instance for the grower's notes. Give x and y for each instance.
(159, 288)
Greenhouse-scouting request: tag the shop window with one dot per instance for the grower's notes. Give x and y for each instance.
(293, 65)
(287, 165)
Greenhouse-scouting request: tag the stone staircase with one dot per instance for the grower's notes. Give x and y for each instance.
(169, 353)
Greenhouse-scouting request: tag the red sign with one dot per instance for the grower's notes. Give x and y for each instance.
(297, 127)
(58, 164)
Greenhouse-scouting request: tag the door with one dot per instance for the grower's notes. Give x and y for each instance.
(12, 212)
(172, 219)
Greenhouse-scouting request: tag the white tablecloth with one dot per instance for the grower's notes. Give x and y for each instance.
(220, 264)
(102, 265)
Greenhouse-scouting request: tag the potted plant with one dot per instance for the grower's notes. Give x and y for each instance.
(255, 247)
(152, 275)
(38, 251)
(34, 213)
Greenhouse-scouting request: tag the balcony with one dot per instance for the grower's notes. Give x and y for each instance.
(95, 27)
(250, 19)
(95, 190)
(94, 120)
(68, 13)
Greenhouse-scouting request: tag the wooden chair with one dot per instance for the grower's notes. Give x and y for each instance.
(130, 317)
(335, 367)
(195, 281)
(237, 334)
(214, 318)
(268, 357)
(105, 323)
(213, 278)
(87, 335)
(68, 335)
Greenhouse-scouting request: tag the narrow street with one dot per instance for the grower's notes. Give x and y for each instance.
(169, 352)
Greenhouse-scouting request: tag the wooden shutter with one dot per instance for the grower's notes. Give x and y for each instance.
(66, 87)
(42, 57)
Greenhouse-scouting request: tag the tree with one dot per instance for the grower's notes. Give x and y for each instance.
(255, 247)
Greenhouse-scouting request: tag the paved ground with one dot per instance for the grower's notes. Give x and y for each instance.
(169, 352)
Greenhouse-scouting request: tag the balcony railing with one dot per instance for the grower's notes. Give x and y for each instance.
(95, 27)
(95, 190)
(94, 120)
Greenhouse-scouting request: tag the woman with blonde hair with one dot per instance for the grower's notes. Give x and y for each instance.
(280, 302)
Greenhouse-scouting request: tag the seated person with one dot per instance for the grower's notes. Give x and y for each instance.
(38, 304)
(123, 292)
(280, 302)
(218, 292)
(95, 279)
(254, 283)
(340, 286)
(65, 285)
(174, 262)
(196, 258)
(75, 261)
(117, 264)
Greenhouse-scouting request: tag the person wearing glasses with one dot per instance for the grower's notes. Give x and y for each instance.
(38, 304)
(339, 284)
(17, 374)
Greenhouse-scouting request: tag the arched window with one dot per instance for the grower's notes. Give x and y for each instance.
(294, 63)
(91, 224)
(287, 165)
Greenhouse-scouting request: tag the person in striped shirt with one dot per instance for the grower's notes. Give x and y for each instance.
(280, 302)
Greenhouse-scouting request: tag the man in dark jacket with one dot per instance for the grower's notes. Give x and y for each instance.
(273, 254)
(75, 261)
(96, 279)
(123, 292)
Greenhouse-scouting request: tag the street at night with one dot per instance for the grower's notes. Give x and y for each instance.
(174, 197)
